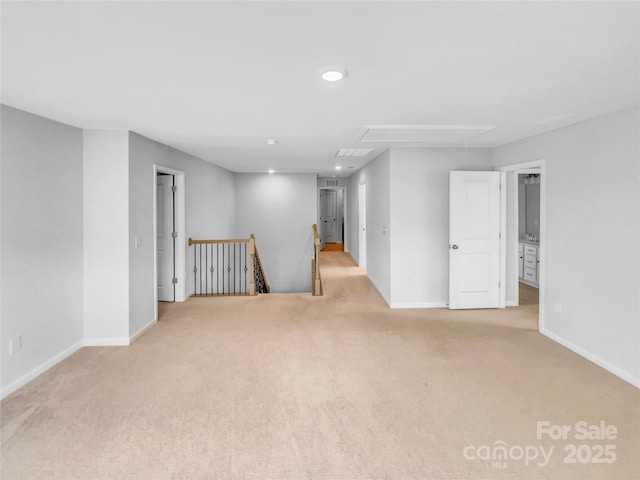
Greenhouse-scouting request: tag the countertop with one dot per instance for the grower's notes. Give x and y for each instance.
(529, 242)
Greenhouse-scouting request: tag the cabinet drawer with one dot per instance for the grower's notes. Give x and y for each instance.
(529, 250)
(530, 274)
(530, 261)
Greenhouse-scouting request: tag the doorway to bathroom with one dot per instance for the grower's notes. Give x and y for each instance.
(528, 203)
(525, 238)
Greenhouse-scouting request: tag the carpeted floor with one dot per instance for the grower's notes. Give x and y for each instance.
(335, 387)
(528, 295)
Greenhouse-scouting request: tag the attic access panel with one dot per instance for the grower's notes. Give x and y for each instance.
(422, 133)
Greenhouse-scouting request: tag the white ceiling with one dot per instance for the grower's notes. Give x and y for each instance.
(216, 79)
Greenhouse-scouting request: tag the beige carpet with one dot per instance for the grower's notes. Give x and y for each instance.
(301, 387)
(528, 295)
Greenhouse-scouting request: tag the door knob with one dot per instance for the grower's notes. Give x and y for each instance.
(455, 247)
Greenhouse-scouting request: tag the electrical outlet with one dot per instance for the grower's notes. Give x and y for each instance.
(15, 345)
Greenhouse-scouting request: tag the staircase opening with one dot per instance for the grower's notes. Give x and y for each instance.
(227, 267)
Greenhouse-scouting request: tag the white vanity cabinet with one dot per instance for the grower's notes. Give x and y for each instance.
(529, 260)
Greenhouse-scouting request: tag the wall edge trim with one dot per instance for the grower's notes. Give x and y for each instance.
(617, 371)
(419, 305)
(142, 331)
(40, 369)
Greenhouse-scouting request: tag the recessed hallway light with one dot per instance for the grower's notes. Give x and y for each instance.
(338, 167)
(271, 141)
(271, 170)
(333, 74)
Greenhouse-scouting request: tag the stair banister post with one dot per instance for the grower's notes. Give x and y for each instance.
(252, 265)
(316, 285)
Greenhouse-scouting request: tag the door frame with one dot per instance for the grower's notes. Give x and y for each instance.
(512, 170)
(345, 237)
(180, 243)
(169, 215)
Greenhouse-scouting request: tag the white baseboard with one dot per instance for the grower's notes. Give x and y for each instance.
(40, 369)
(106, 342)
(618, 372)
(512, 303)
(142, 331)
(190, 293)
(386, 300)
(419, 305)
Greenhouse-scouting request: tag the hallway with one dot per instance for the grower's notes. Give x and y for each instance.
(291, 386)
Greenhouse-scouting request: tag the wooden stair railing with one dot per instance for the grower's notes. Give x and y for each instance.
(228, 267)
(316, 281)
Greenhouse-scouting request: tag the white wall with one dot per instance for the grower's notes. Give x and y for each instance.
(41, 245)
(209, 214)
(420, 221)
(592, 239)
(280, 210)
(106, 230)
(376, 175)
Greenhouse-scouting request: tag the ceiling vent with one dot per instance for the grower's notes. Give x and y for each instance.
(422, 133)
(331, 182)
(353, 152)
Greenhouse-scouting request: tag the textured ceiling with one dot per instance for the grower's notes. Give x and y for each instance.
(216, 79)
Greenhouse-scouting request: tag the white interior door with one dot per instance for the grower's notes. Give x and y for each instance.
(328, 215)
(165, 241)
(474, 239)
(362, 225)
(340, 216)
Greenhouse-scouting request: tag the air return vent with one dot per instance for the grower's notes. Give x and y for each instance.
(422, 133)
(331, 182)
(353, 152)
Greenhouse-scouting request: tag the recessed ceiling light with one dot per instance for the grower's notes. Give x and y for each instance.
(271, 141)
(338, 167)
(333, 74)
(271, 170)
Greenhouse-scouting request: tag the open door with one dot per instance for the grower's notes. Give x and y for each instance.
(328, 216)
(474, 239)
(165, 231)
